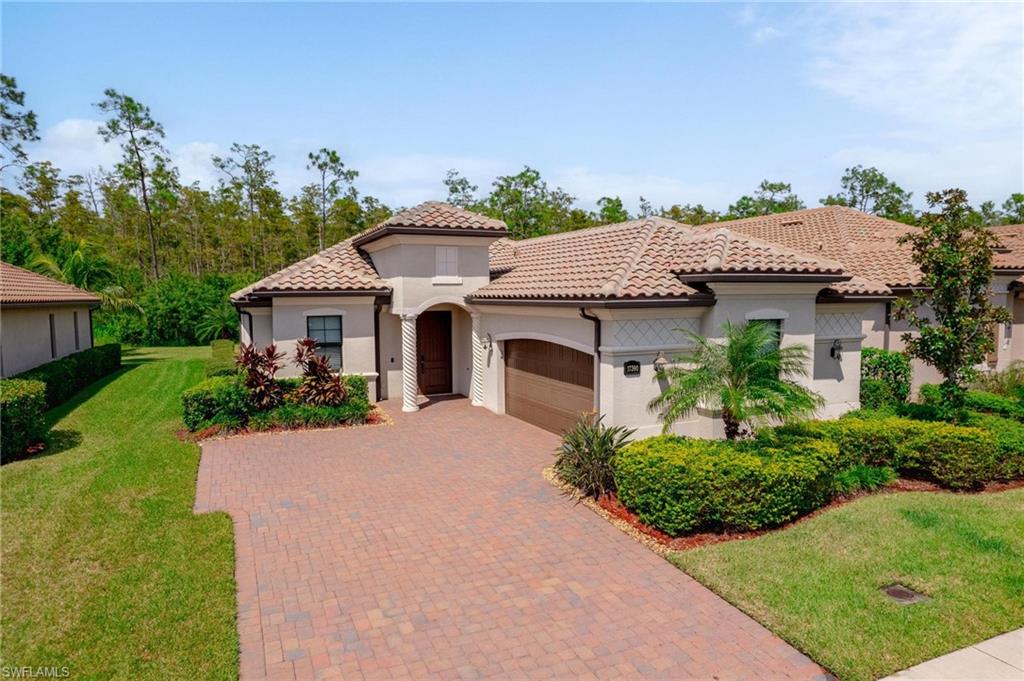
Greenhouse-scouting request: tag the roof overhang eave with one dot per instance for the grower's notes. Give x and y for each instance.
(91, 304)
(257, 298)
(428, 231)
(695, 300)
(759, 277)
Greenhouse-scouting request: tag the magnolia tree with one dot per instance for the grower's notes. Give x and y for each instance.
(952, 313)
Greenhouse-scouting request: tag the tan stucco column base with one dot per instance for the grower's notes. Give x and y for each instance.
(410, 389)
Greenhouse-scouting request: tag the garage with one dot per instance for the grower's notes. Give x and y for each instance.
(547, 384)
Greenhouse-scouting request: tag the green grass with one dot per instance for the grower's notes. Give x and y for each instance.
(105, 568)
(817, 583)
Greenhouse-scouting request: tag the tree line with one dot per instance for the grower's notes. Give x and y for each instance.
(142, 238)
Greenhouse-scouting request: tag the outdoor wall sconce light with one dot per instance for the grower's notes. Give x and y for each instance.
(487, 342)
(660, 362)
(836, 351)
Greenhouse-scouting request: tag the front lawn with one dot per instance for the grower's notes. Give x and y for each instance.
(105, 568)
(817, 583)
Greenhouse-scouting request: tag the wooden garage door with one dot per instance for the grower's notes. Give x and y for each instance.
(546, 384)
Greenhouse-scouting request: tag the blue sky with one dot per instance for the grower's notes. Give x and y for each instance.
(679, 103)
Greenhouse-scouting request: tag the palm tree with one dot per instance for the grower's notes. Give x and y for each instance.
(85, 266)
(748, 377)
(219, 321)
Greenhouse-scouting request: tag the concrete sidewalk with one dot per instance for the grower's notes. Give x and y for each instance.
(996, 659)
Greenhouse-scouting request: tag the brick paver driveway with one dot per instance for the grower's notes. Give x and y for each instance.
(434, 548)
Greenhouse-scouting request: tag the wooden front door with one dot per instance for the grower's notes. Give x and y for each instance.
(434, 351)
(546, 384)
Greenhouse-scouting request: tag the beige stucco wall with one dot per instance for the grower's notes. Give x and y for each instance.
(639, 334)
(1009, 338)
(288, 323)
(25, 335)
(408, 263)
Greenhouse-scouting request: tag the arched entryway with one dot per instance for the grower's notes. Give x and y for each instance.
(547, 384)
(438, 356)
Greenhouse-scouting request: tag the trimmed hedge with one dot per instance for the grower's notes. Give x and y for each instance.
(957, 457)
(1009, 436)
(221, 361)
(885, 377)
(309, 416)
(22, 403)
(978, 400)
(681, 485)
(225, 401)
(66, 376)
(221, 400)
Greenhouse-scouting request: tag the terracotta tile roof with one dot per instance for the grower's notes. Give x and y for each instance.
(432, 216)
(724, 251)
(21, 287)
(341, 267)
(866, 245)
(1011, 238)
(639, 258)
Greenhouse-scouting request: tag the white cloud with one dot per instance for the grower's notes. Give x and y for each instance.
(982, 167)
(409, 179)
(763, 34)
(751, 17)
(74, 146)
(194, 163)
(950, 77)
(933, 64)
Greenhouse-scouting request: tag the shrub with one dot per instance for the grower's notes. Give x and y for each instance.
(586, 457)
(221, 400)
(221, 361)
(990, 403)
(23, 403)
(304, 415)
(260, 367)
(875, 393)
(66, 376)
(222, 349)
(863, 478)
(1009, 435)
(680, 485)
(1009, 382)
(955, 456)
(320, 387)
(885, 375)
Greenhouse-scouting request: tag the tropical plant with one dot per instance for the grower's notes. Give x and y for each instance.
(748, 377)
(260, 368)
(320, 386)
(586, 457)
(219, 322)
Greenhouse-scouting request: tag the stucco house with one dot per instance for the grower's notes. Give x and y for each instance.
(41, 319)
(437, 300)
(867, 247)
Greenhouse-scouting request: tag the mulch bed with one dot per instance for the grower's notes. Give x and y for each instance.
(612, 509)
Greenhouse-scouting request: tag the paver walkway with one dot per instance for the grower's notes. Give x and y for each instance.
(1000, 658)
(434, 548)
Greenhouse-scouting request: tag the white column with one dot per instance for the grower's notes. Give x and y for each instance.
(410, 389)
(476, 387)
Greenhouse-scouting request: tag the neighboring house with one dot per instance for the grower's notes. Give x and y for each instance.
(868, 248)
(436, 300)
(41, 319)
